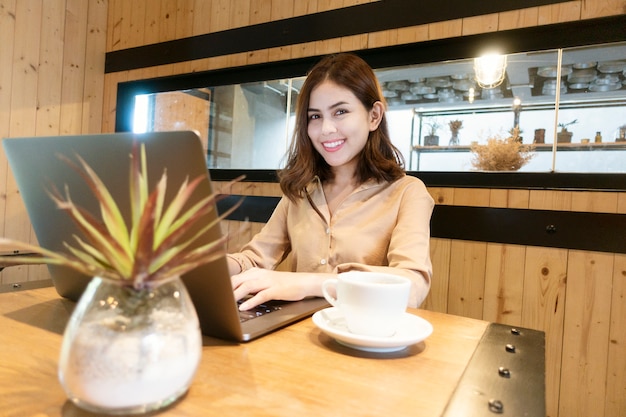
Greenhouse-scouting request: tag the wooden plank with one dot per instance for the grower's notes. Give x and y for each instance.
(202, 16)
(7, 37)
(475, 197)
(50, 69)
(184, 18)
(151, 23)
(442, 30)
(167, 21)
(480, 24)
(325, 5)
(543, 308)
(129, 23)
(441, 195)
(437, 299)
(466, 289)
(48, 111)
(621, 203)
(594, 202)
(550, 200)
(382, 38)
(413, 34)
(23, 117)
(504, 283)
(615, 400)
(94, 67)
(509, 198)
(303, 8)
(558, 13)
(73, 66)
(220, 15)
(114, 25)
(516, 19)
(586, 333)
(133, 23)
(353, 43)
(260, 11)
(593, 9)
(328, 46)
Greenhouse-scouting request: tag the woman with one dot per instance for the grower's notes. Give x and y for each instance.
(347, 205)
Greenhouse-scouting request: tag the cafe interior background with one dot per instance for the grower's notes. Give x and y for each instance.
(543, 247)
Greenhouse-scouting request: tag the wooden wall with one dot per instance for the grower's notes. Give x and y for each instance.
(51, 83)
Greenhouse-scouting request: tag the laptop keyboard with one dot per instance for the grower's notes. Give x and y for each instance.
(258, 311)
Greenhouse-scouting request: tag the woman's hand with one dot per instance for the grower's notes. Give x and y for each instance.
(266, 284)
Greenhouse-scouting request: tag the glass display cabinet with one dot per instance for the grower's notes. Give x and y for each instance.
(568, 105)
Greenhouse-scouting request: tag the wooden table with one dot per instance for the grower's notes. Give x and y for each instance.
(296, 371)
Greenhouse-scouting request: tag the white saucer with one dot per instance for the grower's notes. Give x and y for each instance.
(413, 330)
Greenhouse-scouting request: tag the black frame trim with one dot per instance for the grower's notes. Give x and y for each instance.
(353, 20)
(500, 179)
(602, 232)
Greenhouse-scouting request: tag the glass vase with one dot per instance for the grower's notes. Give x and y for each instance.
(454, 139)
(130, 351)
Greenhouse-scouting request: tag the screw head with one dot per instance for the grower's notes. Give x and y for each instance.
(496, 406)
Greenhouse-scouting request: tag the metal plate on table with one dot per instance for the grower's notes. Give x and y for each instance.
(506, 375)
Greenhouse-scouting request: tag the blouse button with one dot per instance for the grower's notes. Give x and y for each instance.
(323, 261)
(328, 230)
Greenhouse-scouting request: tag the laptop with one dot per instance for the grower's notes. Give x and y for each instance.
(35, 164)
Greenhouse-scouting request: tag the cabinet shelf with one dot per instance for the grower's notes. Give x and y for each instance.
(547, 147)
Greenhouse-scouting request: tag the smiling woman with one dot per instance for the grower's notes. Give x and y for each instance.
(348, 204)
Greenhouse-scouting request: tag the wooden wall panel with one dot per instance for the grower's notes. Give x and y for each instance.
(504, 283)
(465, 292)
(7, 34)
(437, 299)
(51, 82)
(543, 308)
(586, 333)
(23, 118)
(74, 51)
(615, 401)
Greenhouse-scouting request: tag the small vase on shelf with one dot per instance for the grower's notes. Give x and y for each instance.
(454, 139)
(455, 126)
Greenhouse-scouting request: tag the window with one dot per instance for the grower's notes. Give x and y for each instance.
(248, 125)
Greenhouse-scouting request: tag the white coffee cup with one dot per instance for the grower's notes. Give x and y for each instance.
(372, 303)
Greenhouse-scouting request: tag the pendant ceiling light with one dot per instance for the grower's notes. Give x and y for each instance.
(489, 70)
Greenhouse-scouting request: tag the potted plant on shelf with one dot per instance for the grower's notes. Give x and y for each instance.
(502, 154)
(133, 341)
(565, 136)
(432, 139)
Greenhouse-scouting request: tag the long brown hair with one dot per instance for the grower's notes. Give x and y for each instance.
(379, 160)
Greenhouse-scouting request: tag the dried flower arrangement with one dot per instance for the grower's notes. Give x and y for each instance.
(156, 246)
(502, 154)
(455, 126)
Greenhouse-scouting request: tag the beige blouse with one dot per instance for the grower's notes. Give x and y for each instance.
(379, 227)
